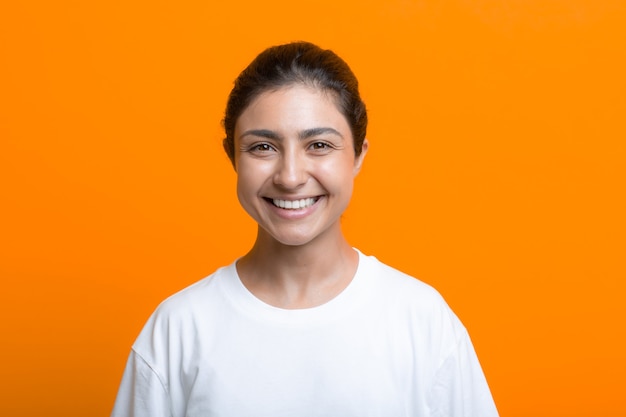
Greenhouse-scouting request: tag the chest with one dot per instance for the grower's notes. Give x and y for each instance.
(354, 368)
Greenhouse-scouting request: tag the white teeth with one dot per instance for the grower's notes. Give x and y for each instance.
(294, 204)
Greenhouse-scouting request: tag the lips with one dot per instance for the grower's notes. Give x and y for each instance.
(294, 204)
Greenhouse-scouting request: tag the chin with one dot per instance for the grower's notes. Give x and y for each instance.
(292, 240)
(297, 236)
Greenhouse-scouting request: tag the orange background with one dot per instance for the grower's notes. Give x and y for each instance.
(495, 173)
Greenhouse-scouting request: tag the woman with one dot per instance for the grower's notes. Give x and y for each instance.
(303, 324)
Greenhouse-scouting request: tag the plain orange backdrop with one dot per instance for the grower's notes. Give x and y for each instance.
(496, 173)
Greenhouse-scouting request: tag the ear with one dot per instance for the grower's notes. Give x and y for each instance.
(359, 159)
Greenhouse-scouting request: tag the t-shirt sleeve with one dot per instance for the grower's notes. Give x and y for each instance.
(142, 392)
(460, 388)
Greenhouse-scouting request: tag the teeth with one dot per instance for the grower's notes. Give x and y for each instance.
(294, 204)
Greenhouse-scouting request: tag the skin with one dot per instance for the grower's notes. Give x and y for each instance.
(293, 144)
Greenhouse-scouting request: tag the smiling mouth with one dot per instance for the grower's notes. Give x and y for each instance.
(293, 204)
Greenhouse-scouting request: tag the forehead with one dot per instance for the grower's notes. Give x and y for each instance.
(293, 107)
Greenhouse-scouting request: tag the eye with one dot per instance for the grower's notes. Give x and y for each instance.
(261, 147)
(320, 146)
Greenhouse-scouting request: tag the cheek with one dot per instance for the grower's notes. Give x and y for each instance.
(340, 170)
(250, 178)
(338, 179)
(246, 192)
(245, 182)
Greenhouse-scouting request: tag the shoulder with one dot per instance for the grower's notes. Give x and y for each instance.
(199, 296)
(392, 282)
(179, 315)
(411, 300)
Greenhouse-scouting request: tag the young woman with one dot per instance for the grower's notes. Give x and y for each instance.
(303, 324)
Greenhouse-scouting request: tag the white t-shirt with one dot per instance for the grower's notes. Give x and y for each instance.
(387, 346)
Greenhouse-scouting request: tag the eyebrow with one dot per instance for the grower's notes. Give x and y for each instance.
(305, 134)
(317, 131)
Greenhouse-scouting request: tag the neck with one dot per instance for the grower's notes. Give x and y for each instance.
(301, 276)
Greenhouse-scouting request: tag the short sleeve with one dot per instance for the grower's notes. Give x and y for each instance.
(460, 388)
(141, 392)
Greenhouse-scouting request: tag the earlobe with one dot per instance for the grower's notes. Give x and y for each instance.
(359, 159)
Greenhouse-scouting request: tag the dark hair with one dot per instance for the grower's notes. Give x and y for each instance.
(293, 63)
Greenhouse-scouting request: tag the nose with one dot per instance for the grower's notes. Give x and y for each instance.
(291, 170)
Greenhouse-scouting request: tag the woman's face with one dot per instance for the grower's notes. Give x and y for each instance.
(295, 163)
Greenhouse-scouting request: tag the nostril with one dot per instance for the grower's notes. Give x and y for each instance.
(290, 174)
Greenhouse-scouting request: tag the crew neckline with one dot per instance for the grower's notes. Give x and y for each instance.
(343, 303)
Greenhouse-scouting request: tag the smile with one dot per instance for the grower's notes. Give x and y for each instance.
(294, 204)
